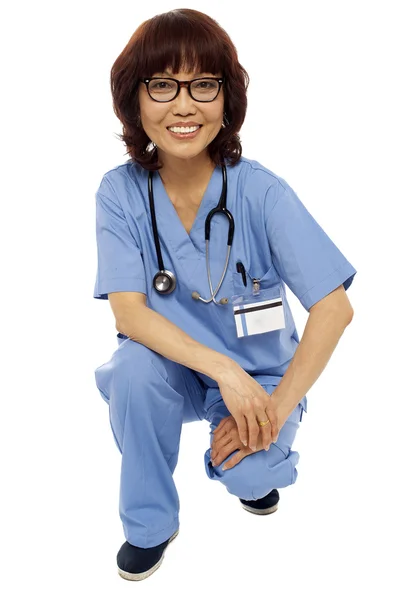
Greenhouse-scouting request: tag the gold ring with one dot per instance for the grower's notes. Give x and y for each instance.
(262, 423)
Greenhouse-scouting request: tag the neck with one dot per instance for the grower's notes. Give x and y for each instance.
(185, 174)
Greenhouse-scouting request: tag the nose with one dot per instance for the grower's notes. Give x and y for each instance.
(183, 98)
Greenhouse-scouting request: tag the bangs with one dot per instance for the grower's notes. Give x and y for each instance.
(178, 45)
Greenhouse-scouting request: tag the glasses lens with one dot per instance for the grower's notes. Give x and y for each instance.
(162, 90)
(204, 89)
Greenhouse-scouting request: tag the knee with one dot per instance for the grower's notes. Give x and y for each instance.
(136, 375)
(257, 474)
(254, 480)
(133, 361)
(135, 366)
(130, 367)
(274, 470)
(137, 362)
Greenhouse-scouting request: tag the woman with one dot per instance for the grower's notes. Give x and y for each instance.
(234, 360)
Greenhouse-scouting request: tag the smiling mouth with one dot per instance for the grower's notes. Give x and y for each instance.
(184, 136)
(197, 127)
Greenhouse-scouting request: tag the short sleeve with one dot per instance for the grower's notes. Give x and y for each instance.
(120, 264)
(305, 257)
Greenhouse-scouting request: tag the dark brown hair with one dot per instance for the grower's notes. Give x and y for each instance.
(182, 39)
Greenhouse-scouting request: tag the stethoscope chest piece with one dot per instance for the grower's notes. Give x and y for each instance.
(164, 282)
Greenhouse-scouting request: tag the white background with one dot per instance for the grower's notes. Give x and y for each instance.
(322, 114)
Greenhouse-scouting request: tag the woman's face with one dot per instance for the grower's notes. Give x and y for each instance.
(157, 116)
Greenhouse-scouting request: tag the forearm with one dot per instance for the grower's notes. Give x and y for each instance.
(153, 330)
(321, 335)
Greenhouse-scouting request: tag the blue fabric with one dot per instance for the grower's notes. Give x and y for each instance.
(149, 399)
(276, 239)
(149, 396)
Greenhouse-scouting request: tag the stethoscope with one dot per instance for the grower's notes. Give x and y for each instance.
(164, 281)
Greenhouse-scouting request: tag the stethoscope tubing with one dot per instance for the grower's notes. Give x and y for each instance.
(167, 277)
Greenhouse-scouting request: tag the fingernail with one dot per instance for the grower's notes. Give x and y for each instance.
(253, 448)
(245, 443)
(224, 468)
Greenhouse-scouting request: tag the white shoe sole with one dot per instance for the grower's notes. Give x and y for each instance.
(261, 511)
(145, 574)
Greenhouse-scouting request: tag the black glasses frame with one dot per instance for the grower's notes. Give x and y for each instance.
(187, 84)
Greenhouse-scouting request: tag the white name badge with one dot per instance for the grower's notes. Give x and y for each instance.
(260, 312)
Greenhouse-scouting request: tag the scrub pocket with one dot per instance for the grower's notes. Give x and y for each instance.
(261, 312)
(269, 279)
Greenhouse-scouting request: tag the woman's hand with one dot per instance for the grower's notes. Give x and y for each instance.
(226, 440)
(249, 403)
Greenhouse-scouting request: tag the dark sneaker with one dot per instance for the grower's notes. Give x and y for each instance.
(262, 506)
(136, 563)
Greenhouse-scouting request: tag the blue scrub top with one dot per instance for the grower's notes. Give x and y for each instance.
(275, 237)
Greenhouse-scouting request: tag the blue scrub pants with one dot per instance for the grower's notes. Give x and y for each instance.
(149, 398)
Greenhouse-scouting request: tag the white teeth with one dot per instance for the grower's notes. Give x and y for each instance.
(183, 129)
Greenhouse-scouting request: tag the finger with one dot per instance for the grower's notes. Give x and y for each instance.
(226, 427)
(242, 427)
(273, 424)
(230, 436)
(215, 448)
(222, 439)
(218, 428)
(218, 434)
(233, 461)
(224, 452)
(221, 423)
(271, 411)
(253, 429)
(265, 431)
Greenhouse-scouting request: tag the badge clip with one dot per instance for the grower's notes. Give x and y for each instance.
(255, 286)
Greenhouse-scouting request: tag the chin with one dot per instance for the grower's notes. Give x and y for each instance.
(186, 152)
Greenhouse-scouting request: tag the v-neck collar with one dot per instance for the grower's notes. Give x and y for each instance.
(173, 229)
(189, 249)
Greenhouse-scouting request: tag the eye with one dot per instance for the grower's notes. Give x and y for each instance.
(160, 85)
(206, 85)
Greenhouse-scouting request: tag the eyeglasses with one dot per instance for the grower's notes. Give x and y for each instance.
(165, 89)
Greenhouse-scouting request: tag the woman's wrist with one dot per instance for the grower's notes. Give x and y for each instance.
(226, 369)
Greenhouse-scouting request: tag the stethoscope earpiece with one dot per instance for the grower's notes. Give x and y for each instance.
(197, 296)
(164, 281)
